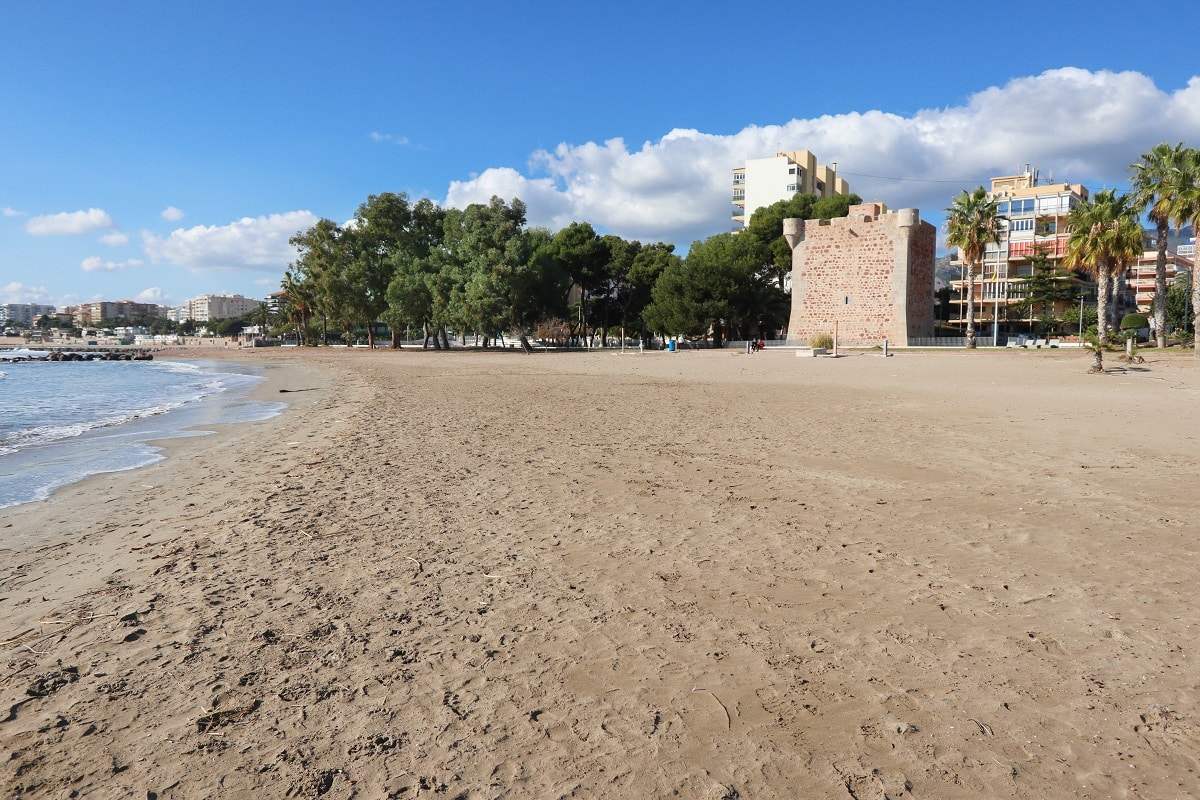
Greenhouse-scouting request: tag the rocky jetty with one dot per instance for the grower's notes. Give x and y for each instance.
(14, 357)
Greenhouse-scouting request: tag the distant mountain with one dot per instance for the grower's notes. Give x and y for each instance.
(943, 272)
(1176, 239)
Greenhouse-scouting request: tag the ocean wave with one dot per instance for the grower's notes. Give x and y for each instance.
(46, 434)
(24, 352)
(62, 422)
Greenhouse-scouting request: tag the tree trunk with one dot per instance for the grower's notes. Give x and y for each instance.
(1195, 308)
(1160, 287)
(524, 339)
(1102, 280)
(970, 306)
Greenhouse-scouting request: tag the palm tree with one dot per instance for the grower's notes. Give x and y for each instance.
(1187, 211)
(972, 223)
(1104, 237)
(262, 315)
(1156, 187)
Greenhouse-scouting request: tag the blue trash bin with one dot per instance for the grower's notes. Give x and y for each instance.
(671, 346)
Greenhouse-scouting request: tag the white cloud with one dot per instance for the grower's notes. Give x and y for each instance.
(20, 293)
(152, 295)
(251, 243)
(172, 214)
(97, 264)
(7, 211)
(69, 223)
(389, 138)
(114, 239)
(1080, 126)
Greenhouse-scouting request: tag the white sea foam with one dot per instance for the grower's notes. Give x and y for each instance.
(68, 420)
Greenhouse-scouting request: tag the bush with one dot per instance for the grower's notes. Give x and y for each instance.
(1132, 322)
(820, 340)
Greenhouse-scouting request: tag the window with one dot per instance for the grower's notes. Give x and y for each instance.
(791, 187)
(1048, 205)
(1020, 225)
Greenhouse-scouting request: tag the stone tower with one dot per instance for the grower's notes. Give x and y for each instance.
(870, 272)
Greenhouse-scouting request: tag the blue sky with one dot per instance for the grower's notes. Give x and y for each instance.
(158, 151)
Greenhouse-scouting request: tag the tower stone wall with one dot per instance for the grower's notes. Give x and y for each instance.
(870, 273)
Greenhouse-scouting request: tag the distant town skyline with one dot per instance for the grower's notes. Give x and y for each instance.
(156, 153)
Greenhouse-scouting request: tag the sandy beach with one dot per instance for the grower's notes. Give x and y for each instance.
(699, 575)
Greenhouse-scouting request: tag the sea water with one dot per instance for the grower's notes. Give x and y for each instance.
(62, 421)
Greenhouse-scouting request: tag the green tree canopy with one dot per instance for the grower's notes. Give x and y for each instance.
(717, 283)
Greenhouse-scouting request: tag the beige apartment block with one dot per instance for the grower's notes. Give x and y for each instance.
(868, 276)
(1136, 290)
(763, 181)
(95, 313)
(208, 307)
(1034, 222)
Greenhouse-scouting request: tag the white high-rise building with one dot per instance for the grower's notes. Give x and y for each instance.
(24, 314)
(764, 181)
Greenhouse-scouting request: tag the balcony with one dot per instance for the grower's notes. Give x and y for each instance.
(1024, 248)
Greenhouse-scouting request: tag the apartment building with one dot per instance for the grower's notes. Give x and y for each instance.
(25, 315)
(96, 313)
(763, 181)
(1035, 222)
(1136, 287)
(214, 306)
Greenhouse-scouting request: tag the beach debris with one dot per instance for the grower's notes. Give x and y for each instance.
(21, 638)
(216, 719)
(984, 728)
(728, 717)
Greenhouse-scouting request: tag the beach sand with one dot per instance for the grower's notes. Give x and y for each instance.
(702, 575)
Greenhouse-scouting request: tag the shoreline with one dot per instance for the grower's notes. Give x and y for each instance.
(709, 574)
(128, 438)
